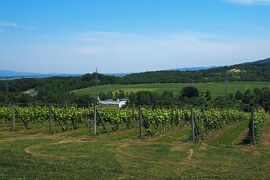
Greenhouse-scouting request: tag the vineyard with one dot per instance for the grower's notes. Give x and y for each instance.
(59, 143)
(109, 120)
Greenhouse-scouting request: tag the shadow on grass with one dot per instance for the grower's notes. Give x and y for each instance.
(246, 139)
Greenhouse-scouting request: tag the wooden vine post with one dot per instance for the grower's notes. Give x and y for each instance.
(203, 108)
(192, 121)
(50, 119)
(172, 118)
(95, 120)
(134, 115)
(252, 125)
(141, 122)
(13, 118)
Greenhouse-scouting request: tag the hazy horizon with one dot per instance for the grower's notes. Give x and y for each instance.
(119, 36)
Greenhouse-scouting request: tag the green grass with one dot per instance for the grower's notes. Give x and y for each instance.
(230, 134)
(216, 88)
(79, 155)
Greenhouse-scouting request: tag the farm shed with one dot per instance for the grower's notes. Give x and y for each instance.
(111, 103)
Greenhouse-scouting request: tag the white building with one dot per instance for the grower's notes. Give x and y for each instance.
(111, 103)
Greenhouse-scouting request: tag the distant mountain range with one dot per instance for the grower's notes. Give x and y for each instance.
(5, 74)
(250, 71)
(193, 68)
(117, 74)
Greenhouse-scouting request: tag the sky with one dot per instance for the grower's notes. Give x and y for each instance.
(123, 36)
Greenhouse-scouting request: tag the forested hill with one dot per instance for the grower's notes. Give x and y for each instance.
(58, 89)
(53, 89)
(253, 71)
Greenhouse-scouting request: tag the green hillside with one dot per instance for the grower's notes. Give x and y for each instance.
(216, 88)
(254, 71)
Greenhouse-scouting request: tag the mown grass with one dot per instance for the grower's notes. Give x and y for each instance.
(230, 134)
(216, 88)
(79, 155)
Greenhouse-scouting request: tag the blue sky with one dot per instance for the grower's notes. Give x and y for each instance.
(76, 36)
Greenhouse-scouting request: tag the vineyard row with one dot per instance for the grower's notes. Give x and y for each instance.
(109, 120)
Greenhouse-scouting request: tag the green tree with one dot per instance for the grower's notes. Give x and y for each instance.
(208, 95)
(190, 92)
(238, 95)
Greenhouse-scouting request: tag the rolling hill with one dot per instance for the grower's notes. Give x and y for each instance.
(241, 77)
(252, 71)
(216, 88)
(192, 68)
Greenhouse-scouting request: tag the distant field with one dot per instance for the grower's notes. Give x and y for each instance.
(216, 88)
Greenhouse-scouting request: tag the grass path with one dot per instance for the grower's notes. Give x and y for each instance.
(229, 135)
(265, 140)
(79, 155)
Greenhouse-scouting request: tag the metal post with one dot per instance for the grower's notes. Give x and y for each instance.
(141, 122)
(95, 120)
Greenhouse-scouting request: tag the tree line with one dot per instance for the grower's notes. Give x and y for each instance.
(190, 96)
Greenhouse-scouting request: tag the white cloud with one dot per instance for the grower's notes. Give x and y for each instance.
(15, 25)
(250, 2)
(8, 24)
(131, 52)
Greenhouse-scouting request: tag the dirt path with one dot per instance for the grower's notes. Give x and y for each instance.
(265, 140)
(191, 151)
(123, 147)
(58, 136)
(28, 137)
(75, 140)
(179, 145)
(29, 151)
